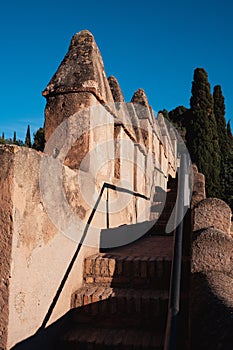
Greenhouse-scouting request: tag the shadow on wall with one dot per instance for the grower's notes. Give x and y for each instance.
(45, 338)
(212, 318)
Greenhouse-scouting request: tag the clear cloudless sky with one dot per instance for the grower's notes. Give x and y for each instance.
(152, 44)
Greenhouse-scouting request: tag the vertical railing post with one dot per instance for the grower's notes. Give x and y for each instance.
(174, 298)
(107, 208)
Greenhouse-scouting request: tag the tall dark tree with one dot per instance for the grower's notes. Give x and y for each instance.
(219, 112)
(202, 135)
(28, 142)
(2, 139)
(39, 140)
(14, 137)
(229, 168)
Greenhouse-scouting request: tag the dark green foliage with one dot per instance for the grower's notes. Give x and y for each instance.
(28, 142)
(219, 112)
(209, 140)
(178, 117)
(39, 140)
(202, 135)
(18, 143)
(228, 195)
(11, 141)
(14, 137)
(2, 139)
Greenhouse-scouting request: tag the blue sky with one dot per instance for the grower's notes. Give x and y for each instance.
(155, 45)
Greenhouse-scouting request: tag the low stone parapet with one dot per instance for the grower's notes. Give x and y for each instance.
(212, 212)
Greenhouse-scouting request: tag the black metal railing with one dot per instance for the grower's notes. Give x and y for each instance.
(71, 264)
(175, 282)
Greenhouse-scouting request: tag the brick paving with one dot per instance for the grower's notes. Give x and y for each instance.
(153, 246)
(124, 299)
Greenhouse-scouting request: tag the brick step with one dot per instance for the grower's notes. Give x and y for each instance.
(127, 272)
(81, 338)
(119, 320)
(147, 305)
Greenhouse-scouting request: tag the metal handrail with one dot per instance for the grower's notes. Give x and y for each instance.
(175, 282)
(71, 264)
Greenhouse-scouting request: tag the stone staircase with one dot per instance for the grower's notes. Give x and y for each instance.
(123, 303)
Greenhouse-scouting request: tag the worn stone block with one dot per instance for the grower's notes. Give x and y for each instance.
(212, 212)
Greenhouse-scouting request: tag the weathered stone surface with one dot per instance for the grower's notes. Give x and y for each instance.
(212, 250)
(135, 123)
(82, 69)
(62, 106)
(198, 187)
(77, 152)
(33, 251)
(195, 169)
(80, 82)
(143, 112)
(211, 290)
(211, 311)
(140, 98)
(212, 212)
(6, 236)
(115, 89)
(164, 133)
(142, 107)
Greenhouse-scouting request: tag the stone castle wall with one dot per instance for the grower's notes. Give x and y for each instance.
(93, 138)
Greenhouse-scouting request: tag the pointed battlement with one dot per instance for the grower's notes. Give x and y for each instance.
(81, 70)
(80, 82)
(116, 90)
(139, 97)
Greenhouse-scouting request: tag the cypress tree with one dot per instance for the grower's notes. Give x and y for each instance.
(39, 140)
(219, 112)
(28, 138)
(2, 139)
(229, 168)
(202, 135)
(14, 137)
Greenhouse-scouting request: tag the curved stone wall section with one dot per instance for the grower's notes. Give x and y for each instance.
(212, 212)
